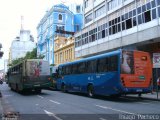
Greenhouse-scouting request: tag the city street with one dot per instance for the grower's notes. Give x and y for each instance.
(66, 106)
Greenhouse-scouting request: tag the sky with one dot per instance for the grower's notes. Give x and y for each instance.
(32, 12)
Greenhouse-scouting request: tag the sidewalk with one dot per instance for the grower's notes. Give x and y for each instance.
(152, 96)
(1, 111)
(149, 96)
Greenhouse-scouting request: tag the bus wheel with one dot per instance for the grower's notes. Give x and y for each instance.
(90, 91)
(38, 90)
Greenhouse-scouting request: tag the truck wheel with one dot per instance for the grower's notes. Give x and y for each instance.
(17, 89)
(38, 90)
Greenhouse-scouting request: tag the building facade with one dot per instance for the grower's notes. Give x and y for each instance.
(21, 45)
(114, 24)
(63, 50)
(59, 17)
(76, 8)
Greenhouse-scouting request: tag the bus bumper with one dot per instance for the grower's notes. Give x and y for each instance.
(37, 85)
(137, 90)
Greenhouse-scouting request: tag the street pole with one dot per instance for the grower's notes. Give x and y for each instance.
(156, 82)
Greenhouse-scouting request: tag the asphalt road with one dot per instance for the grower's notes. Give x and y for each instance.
(55, 105)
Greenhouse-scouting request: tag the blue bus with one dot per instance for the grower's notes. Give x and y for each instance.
(113, 73)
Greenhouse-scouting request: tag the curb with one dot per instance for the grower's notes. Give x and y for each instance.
(145, 98)
(1, 110)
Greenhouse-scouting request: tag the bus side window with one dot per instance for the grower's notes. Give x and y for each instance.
(92, 66)
(113, 63)
(74, 69)
(61, 71)
(102, 65)
(81, 68)
(68, 69)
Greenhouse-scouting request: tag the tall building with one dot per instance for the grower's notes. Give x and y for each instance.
(112, 24)
(76, 8)
(63, 49)
(21, 45)
(58, 18)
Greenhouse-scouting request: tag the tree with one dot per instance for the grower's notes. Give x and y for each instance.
(29, 55)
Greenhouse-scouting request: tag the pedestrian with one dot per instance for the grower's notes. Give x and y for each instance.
(158, 83)
(1, 82)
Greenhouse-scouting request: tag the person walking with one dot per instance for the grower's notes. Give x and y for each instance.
(158, 83)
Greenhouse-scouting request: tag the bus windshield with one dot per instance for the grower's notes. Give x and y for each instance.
(37, 68)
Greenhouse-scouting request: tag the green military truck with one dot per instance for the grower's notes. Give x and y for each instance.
(30, 74)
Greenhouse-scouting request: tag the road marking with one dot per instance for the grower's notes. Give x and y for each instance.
(104, 107)
(52, 114)
(102, 119)
(40, 96)
(54, 102)
(7, 95)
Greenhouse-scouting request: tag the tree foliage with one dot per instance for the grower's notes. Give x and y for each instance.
(29, 55)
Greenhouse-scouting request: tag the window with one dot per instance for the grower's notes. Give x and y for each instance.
(153, 4)
(74, 69)
(148, 6)
(103, 33)
(86, 3)
(129, 23)
(139, 10)
(81, 68)
(78, 9)
(159, 11)
(88, 18)
(147, 16)
(134, 12)
(68, 69)
(123, 26)
(91, 66)
(158, 2)
(60, 27)
(107, 64)
(60, 17)
(134, 21)
(100, 11)
(113, 3)
(92, 35)
(113, 63)
(119, 27)
(103, 65)
(154, 14)
(139, 19)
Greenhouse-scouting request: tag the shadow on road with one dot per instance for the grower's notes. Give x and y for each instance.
(119, 99)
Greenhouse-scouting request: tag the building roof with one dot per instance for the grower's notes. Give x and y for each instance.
(59, 8)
